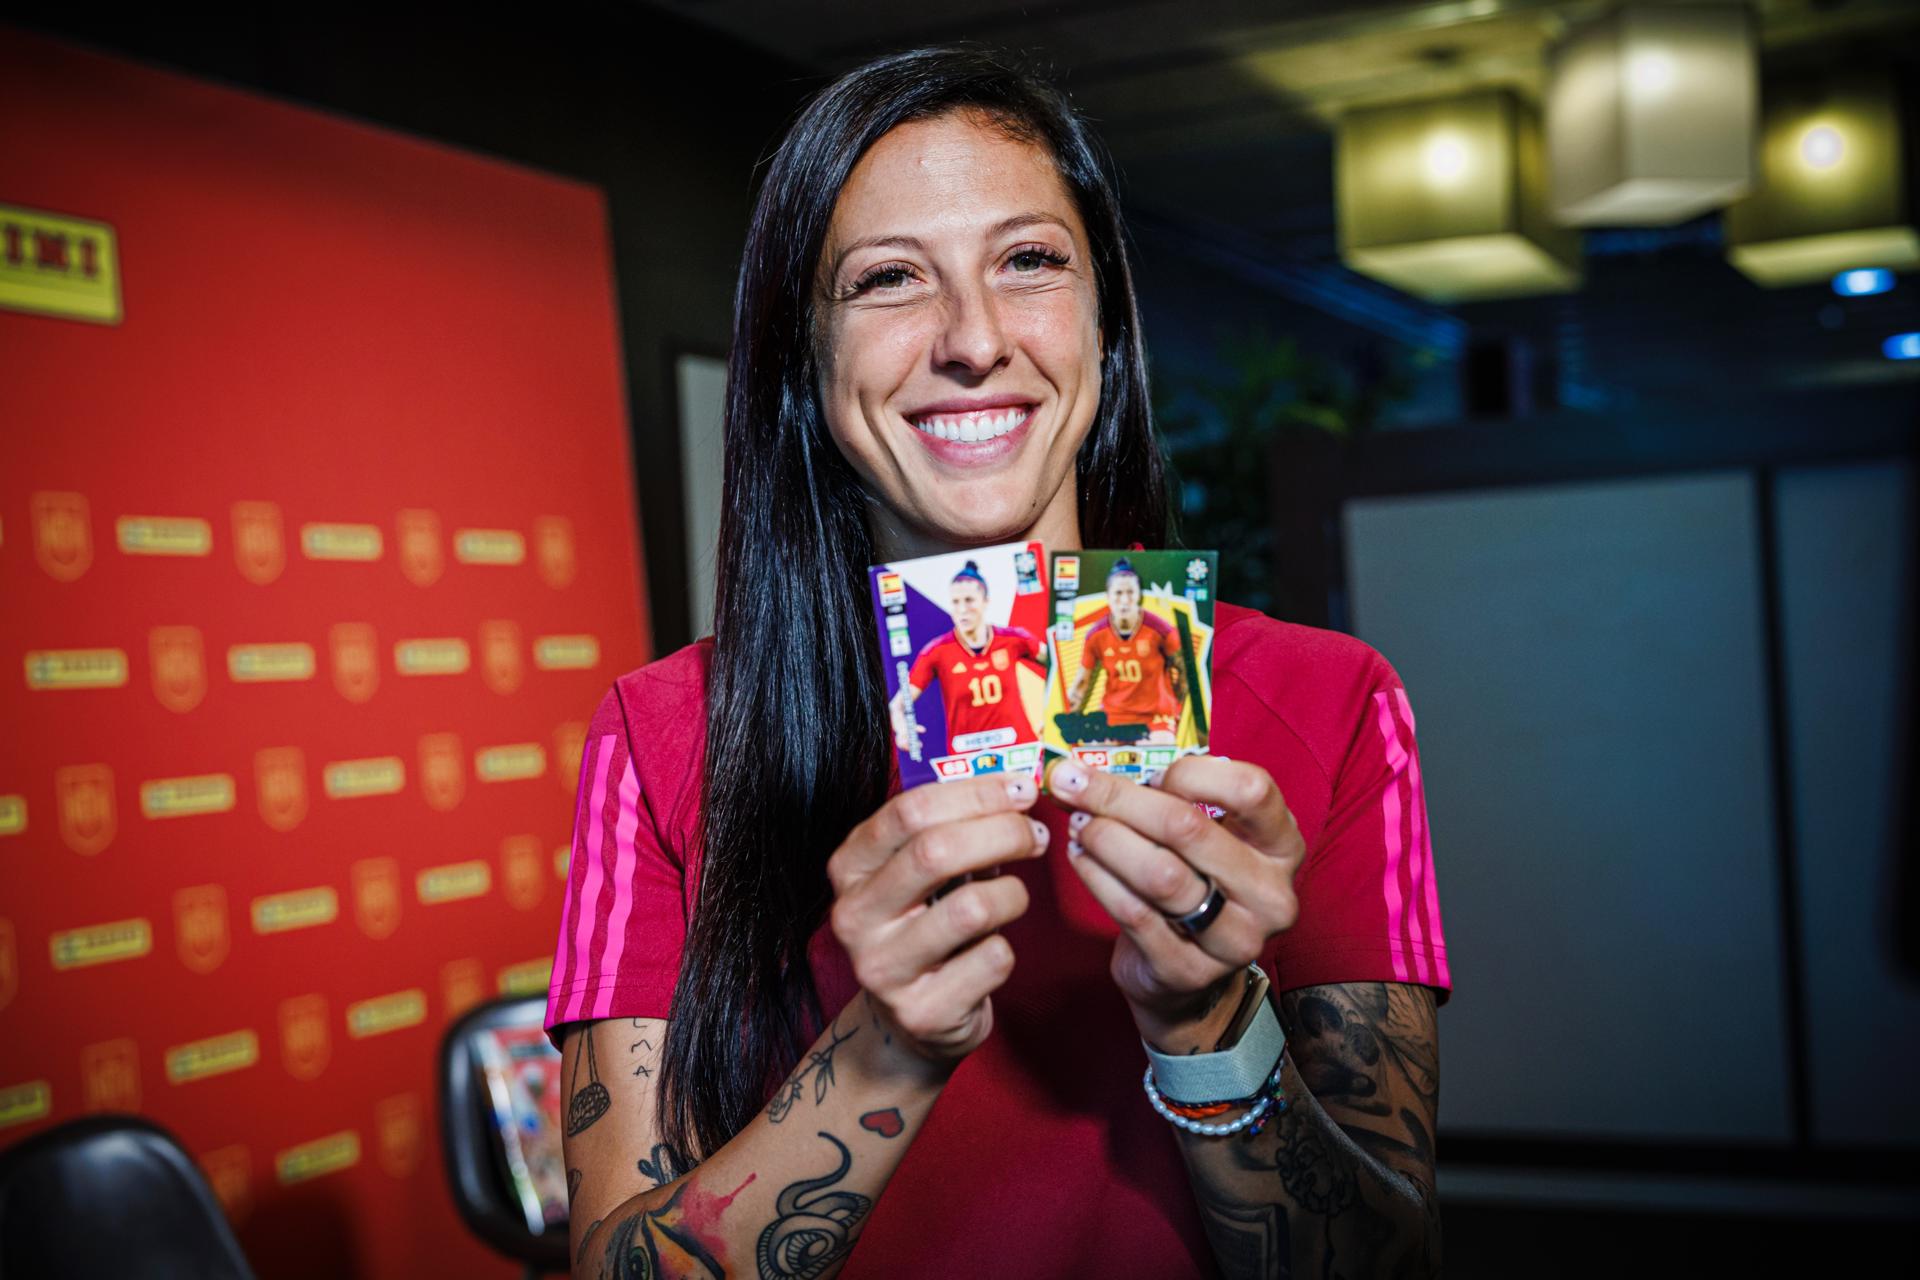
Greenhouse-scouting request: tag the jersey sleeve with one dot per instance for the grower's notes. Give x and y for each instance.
(1369, 903)
(622, 919)
(924, 663)
(1090, 650)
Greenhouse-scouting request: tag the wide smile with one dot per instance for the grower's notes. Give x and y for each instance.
(976, 437)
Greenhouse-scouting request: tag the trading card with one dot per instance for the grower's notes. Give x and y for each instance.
(1131, 689)
(963, 640)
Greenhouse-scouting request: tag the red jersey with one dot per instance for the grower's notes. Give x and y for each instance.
(1042, 1135)
(1138, 688)
(981, 688)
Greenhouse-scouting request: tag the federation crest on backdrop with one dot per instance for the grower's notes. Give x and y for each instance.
(179, 667)
(443, 771)
(569, 744)
(62, 534)
(356, 664)
(230, 1173)
(304, 1044)
(397, 1127)
(421, 556)
(9, 964)
(259, 541)
(280, 779)
(85, 794)
(521, 877)
(554, 549)
(376, 896)
(463, 984)
(200, 926)
(500, 660)
(110, 1076)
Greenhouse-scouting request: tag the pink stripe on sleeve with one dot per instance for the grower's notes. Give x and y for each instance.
(590, 888)
(563, 959)
(623, 829)
(1390, 804)
(1416, 821)
(1423, 852)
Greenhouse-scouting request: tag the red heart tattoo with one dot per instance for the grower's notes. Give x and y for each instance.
(887, 1124)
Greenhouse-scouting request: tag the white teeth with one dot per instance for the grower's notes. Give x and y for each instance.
(973, 427)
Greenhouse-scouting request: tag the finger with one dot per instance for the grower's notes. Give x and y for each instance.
(1176, 965)
(941, 1005)
(1162, 818)
(929, 938)
(1170, 886)
(935, 856)
(1255, 809)
(869, 845)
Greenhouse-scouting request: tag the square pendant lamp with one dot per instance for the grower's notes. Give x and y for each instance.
(1834, 192)
(1447, 200)
(1651, 115)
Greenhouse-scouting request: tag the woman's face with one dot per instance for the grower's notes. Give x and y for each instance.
(959, 333)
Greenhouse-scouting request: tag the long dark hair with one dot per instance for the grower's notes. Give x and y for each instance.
(797, 745)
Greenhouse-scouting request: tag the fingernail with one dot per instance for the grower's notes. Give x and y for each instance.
(1153, 779)
(1069, 776)
(1020, 787)
(1040, 834)
(1073, 849)
(1078, 822)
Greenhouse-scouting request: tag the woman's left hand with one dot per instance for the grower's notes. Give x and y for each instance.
(1147, 854)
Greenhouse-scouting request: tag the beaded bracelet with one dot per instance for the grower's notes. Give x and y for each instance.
(1266, 1104)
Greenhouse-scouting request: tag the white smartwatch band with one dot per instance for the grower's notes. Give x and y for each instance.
(1228, 1074)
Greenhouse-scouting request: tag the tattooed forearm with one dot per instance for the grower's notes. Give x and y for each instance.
(1341, 1184)
(816, 1226)
(819, 1066)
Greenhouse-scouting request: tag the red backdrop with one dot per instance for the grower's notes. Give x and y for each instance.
(336, 522)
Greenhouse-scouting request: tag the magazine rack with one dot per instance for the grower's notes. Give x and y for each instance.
(471, 1143)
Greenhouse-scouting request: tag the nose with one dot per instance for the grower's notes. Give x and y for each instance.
(973, 340)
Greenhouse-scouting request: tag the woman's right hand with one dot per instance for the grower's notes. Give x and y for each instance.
(929, 966)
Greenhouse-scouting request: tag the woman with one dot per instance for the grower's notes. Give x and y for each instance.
(782, 1060)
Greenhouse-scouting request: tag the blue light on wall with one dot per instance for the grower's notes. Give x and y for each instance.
(1902, 346)
(1863, 282)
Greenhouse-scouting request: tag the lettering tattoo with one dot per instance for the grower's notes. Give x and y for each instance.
(819, 1065)
(816, 1226)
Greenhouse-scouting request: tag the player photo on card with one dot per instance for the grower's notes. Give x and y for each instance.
(1131, 688)
(962, 637)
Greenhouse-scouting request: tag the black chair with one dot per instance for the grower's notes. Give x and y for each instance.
(476, 1163)
(111, 1195)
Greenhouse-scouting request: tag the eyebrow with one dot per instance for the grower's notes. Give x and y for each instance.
(1000, 228)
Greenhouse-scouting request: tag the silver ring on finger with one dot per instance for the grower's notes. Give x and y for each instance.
(1195, 922)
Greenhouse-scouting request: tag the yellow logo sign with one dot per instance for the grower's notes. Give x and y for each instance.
(529, 977)
(376, 896)
(321, 1156)
(200, 926)
(463, 984)
(522, 876)
(569, 743)
(230, 1173)
(374, 776)
(259, 541)
(500, 664)
(295, 909)
(356, 664)
(110, 1076)
(264, 663)
(553, 536)
(489, 546)
(397, 1122)
(566, 653)
(100, 943)
(341, 541)
(443, 771)
(280, 784)
(25, 1103)
(85, 792)
(163, 535)
(420, 555)
(214, 1056)
(57, 266)
(75, 668)
(9, 964)
(510, 762)
(439, 657)
(452, 882)
(179, 667)
(382, 1014)
(62, 534)
(187, 797)
(304, 1043)
(13, 815)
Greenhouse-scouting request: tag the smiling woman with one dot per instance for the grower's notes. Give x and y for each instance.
(851, 1031)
